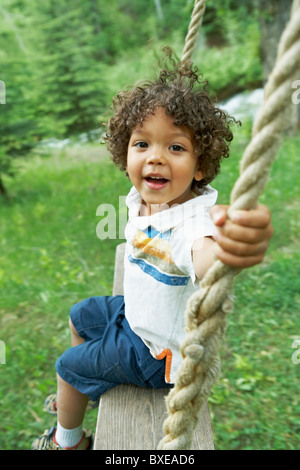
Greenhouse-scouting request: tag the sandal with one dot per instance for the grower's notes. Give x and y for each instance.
(47, 441)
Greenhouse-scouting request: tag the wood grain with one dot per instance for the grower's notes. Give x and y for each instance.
(132, 418)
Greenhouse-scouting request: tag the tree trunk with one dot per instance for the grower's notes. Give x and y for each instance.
(159, 10)
(274, 15)
(3, 191)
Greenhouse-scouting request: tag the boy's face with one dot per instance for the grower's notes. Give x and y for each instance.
(161, 162)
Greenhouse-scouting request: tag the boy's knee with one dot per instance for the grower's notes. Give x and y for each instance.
(75, 337)
(72, 327)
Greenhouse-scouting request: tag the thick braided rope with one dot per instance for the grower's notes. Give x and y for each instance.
(193, 31)
(207, 308)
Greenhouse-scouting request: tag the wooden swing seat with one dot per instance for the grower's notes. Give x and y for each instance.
(130, 417)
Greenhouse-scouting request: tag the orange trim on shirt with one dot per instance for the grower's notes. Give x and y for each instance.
(166, 353)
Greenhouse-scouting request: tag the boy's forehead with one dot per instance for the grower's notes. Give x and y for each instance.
(157, 117)
(180, 132)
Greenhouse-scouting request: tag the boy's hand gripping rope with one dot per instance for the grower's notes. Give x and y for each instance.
(207, 309)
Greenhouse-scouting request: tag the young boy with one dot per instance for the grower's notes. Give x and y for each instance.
(169, 138)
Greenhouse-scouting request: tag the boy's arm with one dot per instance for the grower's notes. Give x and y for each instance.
(240, 242)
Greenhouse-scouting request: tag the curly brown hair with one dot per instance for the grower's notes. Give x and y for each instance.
(180, 91)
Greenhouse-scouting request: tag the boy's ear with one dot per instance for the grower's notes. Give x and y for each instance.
(198, 176)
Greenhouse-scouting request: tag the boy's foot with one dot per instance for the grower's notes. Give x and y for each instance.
(50, 404)
(47, 441)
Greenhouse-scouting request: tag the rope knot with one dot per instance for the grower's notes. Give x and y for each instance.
(194, 352)
(228, 305)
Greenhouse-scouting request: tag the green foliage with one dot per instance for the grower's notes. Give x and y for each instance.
(233, 62)
(69, 93)
(16, 116)
(62, 64)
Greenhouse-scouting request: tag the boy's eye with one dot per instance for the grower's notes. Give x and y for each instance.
(141, 145)
(176, 148)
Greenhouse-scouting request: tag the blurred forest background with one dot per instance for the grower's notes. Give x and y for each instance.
(62, 62)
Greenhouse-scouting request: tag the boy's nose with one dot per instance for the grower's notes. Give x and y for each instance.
(156, 158)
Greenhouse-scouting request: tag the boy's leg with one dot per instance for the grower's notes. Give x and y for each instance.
(88, 366)
(71, 405)
(51, 401)
(75, 338)
(69, 433)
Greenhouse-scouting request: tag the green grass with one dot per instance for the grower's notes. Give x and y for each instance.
(50, 258)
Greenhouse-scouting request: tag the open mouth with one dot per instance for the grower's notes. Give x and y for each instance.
(156, 179)
(156, 182)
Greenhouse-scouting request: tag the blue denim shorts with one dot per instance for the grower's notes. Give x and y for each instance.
(112, 353)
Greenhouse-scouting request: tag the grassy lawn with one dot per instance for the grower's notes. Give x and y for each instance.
(50, 258)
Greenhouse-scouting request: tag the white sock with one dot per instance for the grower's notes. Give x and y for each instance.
(68, 437)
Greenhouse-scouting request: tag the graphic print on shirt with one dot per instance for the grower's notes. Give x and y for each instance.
(152, 253)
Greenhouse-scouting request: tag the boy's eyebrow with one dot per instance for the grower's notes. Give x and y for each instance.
(182, 134)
